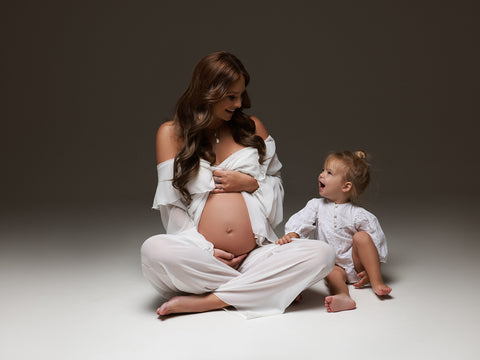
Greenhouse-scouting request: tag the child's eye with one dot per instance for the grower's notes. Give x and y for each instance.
(329, 173)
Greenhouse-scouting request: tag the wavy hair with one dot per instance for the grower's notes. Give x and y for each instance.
(210, 81)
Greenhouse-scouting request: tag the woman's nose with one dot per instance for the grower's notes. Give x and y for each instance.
(238, 103)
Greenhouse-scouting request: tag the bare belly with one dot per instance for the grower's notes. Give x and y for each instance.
(225, 223)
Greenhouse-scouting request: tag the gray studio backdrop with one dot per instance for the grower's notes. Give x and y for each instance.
(86, 84)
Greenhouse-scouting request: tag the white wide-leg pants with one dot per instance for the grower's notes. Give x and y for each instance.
(267, 281)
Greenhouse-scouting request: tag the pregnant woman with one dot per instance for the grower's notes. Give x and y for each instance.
(220, 196)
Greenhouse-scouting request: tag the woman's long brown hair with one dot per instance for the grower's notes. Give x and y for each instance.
(210, 81)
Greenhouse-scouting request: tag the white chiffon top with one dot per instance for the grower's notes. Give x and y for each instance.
(265, 205)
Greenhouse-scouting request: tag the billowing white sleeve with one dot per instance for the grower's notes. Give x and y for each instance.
(304, 221)
(366, 221)
(173, 210)
(270, 192)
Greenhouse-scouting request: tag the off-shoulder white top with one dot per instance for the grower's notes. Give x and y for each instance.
(265, 205)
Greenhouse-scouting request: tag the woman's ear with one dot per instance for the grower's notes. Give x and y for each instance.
(347, 186)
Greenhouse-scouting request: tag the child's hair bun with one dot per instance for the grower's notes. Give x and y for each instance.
(360, 154)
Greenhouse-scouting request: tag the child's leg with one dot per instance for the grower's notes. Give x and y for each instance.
(340, 300)
(365, 257)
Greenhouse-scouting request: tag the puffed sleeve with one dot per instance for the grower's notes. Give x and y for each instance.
(366, 221)
(270, 192)
(304, 221)
(173, 210)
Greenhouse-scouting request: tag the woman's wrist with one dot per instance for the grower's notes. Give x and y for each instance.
(253, 185)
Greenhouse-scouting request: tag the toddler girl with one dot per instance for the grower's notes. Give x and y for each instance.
(352, 231)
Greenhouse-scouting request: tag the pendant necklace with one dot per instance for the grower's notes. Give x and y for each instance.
(217, 138)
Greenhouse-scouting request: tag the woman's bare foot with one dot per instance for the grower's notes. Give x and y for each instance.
(381, 289)
(190, 303)
(339, 302)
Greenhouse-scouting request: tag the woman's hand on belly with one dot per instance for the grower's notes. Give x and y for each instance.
(233, 181)
(229, 258)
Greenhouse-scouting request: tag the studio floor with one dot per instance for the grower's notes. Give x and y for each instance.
(72, 288)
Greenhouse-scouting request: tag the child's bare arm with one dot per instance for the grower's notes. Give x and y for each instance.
(285, 239)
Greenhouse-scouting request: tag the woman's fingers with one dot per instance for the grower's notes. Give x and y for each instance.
(219, 172)
(233, 181)
(218, 180)
(217, 177)
(229, 258)
(235, 262)
(223, 255)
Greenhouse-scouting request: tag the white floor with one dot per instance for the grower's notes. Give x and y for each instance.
(71, 288)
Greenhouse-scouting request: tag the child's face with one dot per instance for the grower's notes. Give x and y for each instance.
(331, 181)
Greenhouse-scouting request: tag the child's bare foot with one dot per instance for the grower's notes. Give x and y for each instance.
(381, 289)
(339, 303)
(190, 303)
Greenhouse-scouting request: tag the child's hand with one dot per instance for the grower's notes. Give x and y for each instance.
(285, 239)
(364, 279)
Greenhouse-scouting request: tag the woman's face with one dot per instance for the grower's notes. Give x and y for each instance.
(224, 109)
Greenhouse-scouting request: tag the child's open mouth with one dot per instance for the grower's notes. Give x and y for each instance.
(322, 185)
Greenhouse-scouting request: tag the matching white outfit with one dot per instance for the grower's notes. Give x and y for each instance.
(335, 224)
(269, 279)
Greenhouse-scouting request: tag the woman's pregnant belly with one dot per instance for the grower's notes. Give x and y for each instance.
(225, 223)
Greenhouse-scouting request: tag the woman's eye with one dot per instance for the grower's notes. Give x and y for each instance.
(231, 97)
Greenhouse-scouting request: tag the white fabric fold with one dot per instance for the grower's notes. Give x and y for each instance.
(166, 193)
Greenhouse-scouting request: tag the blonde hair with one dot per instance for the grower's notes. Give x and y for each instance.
(357, 170)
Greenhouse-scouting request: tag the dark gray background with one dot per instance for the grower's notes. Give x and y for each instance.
(84, 87)
(86, 84)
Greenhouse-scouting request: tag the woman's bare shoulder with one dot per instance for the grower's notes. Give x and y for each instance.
(259, 128)
(167, 142)
(167, 129)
